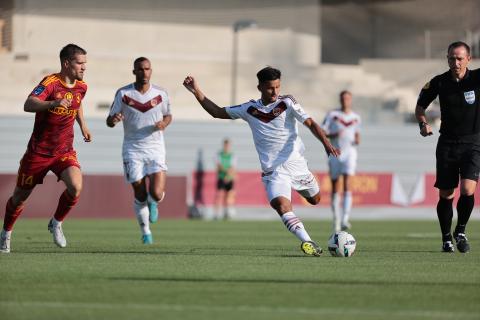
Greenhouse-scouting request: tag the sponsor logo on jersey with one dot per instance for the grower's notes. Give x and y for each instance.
(61, 111)
(38, 90)
(469, 97)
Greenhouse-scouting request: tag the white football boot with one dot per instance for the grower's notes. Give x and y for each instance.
(5, 242)
(57, 232)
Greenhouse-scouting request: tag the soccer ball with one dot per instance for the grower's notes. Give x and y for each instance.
(342, 244)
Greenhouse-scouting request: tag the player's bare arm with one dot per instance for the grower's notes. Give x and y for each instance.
(87, 136)
(214, 110)
(425, 128)
(357, 139)
(333, 135)
(34, 104)
(161, 125)
(113, 120)
(318, 132)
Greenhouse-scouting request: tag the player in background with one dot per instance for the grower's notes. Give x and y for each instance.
(273, 121)
(343, 128)
(458, 147)
(225, 196)
(57, 103)
(144, 109)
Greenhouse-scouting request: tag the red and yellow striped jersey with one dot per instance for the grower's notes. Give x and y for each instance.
(53, 129)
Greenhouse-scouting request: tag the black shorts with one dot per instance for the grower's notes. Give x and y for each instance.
(456, 160)
(222, 185)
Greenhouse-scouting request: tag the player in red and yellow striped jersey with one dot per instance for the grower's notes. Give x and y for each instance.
(57, 103)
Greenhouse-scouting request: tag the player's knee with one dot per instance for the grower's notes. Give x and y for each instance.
(75, 189)
(446, 193)
(19, 196)
(281, 205)
(466, 191)
(315, 199)
(158, 194)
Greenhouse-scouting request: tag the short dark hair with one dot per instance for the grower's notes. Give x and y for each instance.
(458, 44)
(268, 74)
(70, 51)
(139, 60)
(345, 92)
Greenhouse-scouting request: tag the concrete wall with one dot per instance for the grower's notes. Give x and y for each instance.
(352, 30)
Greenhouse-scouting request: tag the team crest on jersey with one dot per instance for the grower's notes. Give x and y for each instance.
(277, 111)
(267, 117)
(69, 96)
(469, 97)
(38, 90)
(154, 102)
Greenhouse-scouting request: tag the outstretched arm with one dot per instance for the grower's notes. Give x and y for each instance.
(209, 106)
(320, 135)
(425, 128)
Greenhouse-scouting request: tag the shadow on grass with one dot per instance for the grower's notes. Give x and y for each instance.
(220, 251)
(347, 282)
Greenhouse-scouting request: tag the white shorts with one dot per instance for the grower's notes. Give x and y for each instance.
(292, 174)
(137, 169)
(343, 165)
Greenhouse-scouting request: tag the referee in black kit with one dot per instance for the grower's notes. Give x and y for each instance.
(458, 148)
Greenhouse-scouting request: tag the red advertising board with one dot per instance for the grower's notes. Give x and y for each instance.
(103, 196)
(368, 189)
(431, 193)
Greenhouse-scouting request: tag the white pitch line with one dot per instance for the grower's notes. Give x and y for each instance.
(423, 235)
(427, 314)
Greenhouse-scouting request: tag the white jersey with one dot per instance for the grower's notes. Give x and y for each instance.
(346, 125)
(274, 129)
(141, 111)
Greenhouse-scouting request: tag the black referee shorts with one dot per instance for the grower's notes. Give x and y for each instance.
(456, 160)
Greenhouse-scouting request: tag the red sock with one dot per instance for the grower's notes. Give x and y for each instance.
(65, 204)
(11, 215)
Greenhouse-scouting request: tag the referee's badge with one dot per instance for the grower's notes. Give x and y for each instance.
(469, 97)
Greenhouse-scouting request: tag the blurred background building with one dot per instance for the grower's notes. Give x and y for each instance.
(381, 50)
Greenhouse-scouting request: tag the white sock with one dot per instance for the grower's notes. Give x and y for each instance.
(347, 207)
(7, 233)
(336, 211)
(229, 212)
(55, 222)
(217, 212)
(295, 226)
(142, 213)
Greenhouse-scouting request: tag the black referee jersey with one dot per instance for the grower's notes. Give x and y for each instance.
(459, 103)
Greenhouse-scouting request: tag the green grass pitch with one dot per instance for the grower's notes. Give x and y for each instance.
(236, 270)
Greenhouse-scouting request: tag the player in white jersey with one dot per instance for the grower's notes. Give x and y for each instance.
(273, 121)
(145, 111)
(343, 128)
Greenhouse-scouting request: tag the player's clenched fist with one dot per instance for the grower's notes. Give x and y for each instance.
(190, 84)
(117, 117)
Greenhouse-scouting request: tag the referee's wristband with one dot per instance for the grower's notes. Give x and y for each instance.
(422, 124)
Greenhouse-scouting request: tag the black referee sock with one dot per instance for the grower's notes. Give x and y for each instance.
(464, 210)
(445, 215)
